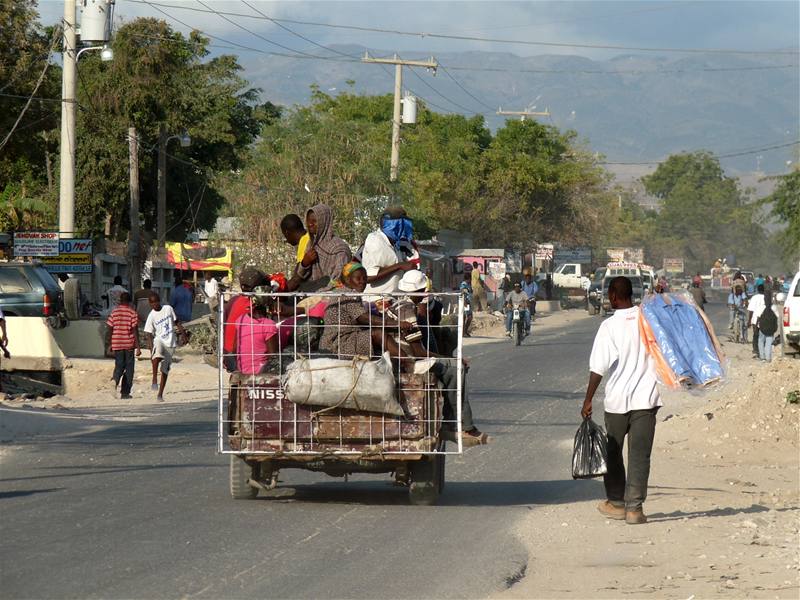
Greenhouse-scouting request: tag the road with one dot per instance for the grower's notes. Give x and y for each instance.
(141, 509)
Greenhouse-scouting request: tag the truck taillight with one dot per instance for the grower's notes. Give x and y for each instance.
(785, 316)
(46, 309)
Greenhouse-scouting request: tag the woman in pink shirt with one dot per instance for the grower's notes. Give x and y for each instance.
(256, 340)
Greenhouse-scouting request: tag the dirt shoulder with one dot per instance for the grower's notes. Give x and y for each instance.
(723, 504)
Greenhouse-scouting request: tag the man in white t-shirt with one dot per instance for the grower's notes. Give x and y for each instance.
(210, 289)
(161, 325)
(115, 292)
(631, 403)
(755, 307)
(384, 261)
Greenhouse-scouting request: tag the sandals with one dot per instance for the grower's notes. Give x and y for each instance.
(473, 437)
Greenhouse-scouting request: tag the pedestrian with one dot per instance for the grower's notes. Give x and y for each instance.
(479, 302)
(530, 287)
(161, 325)
(4, 353)
(767, 327)
(180, 299)
(123, 326)
(737, 303)
(466, 291)
(754, 308)
(631, 403)
(210, 290)
(698, 295)
(141, 300)
(113, 294)
(387, 251)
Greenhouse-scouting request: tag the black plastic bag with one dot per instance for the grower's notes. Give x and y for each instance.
(590, 452)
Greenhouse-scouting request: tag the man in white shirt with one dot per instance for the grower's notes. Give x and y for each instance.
(115, 292)
(382, 257)
(755, 307)
(631, 403)
(210, 289)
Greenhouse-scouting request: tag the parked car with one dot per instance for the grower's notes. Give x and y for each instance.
(791, 314)
(29, 290)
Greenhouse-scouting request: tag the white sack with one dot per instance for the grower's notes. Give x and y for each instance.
(357, 384)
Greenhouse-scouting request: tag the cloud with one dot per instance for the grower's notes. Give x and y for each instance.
(729, 24)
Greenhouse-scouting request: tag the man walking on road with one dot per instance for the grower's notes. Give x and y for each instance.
(631, 403)
(123, 327)
(754, 309)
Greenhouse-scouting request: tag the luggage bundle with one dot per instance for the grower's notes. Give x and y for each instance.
(680, 339)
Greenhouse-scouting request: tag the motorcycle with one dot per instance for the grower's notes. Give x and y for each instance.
(517, 327)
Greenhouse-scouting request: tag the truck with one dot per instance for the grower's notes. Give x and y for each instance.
(266, 426)
(572, 275)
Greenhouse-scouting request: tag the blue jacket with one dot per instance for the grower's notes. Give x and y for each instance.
(683, 338)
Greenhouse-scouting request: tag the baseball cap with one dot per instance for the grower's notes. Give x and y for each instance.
(413, 281)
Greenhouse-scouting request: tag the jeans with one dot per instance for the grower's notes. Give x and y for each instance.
(640, 427)
(124, 361)
(447, 372)
(765, 346)
(526, 319)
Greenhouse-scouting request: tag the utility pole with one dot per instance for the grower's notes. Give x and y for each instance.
(398, 84)
(161, 206)
(133, 243)
(522, 114)
(66, 191)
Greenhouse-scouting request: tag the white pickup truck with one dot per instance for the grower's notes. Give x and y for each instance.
(791, 315)
(572, 275)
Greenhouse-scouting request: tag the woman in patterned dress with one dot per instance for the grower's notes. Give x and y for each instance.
(350, 329)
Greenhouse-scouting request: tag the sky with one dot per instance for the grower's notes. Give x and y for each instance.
(746, 25)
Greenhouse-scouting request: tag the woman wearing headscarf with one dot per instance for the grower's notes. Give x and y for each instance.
(326, 253)
(350, 329)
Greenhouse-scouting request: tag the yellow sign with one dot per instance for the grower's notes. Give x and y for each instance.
(70, 259)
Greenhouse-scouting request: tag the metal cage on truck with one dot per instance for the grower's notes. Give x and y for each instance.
(264, 431)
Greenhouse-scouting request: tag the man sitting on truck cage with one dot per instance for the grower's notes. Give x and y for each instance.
(425, 346)
(351, 330)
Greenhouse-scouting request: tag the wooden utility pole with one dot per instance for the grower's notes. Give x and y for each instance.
(398, 84)
(161, 205)
(522, 114)
(133, 243)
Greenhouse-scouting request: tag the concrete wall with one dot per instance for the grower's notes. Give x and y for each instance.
(35, 346)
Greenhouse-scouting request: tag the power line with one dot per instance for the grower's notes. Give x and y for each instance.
(732, 154)
(422, 34)
(465, 90)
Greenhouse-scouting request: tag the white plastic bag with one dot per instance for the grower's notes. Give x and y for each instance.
(357, 384)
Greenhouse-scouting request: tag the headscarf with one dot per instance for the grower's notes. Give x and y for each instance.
(332, 252)
(397, 227)
(351, 268)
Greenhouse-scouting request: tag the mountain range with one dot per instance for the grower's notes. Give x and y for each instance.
(630, 108)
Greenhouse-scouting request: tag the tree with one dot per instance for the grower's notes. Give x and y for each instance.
(785, 202)
(704, 214)
(160, 78)
(26, 171)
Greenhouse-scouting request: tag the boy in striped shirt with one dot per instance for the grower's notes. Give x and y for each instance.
(123, 323)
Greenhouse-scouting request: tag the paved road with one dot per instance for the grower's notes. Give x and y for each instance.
(141, 509)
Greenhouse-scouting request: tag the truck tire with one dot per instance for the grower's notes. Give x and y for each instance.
(240, 473)
(72, 299)
(427, 480)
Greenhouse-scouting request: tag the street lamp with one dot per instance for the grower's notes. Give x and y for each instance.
(106, 53)
(161, 206)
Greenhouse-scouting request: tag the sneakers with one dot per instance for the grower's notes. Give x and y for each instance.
(635, 517)
(612, 512)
